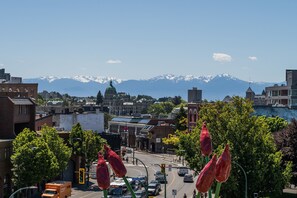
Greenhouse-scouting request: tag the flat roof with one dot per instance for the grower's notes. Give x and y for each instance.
(21, 101)
(6, 140)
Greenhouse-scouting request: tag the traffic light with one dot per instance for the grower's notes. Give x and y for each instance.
(163, 168)
(81, 176)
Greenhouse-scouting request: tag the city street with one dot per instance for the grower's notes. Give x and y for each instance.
(152, 162)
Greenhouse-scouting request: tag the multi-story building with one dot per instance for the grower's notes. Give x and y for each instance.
(122, 104)
(142, 133)
(5, 167)
(257, 99)
(10, 84)
(194, 103)
(283, 95)
(15, 115)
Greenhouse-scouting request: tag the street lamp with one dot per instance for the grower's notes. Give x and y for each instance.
(24, 188)
(245, 177)
(146, 186)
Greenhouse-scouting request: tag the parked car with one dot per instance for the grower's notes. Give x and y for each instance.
(138, 194)
(141, 179)
(154, 189)
(182, 171)
(188, 178)
(155, 181)
(159, 176)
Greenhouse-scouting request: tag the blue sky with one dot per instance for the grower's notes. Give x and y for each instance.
(133, 39)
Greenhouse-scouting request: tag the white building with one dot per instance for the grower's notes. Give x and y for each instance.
(88, 121)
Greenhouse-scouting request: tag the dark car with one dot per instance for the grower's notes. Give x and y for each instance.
(138, 194)
(161, 177)
(154, 189)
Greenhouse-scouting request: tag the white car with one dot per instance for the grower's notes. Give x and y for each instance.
(182, 171)
(188, 178)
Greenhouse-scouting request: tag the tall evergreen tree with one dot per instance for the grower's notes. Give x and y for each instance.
(99, 99)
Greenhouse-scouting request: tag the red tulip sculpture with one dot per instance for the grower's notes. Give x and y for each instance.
(102, 174)
(223, 168)
(115, 162)
(118, 166)
(205, 141)
(207, 175)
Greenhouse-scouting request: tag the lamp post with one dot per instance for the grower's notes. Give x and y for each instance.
(24, 188)
(245, 177)
(146, 186)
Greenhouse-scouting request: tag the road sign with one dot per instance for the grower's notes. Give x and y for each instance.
(174, 192)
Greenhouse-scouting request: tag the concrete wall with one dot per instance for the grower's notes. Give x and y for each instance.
(282, 112)
(90, 121)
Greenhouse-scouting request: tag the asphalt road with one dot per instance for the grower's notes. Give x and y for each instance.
(152, 163)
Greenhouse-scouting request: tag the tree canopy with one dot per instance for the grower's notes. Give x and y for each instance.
(251, 144)
(160, 108)
(286, 141)
(38, 158)
(85, 143)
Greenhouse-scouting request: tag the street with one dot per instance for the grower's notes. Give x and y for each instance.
(152, 162)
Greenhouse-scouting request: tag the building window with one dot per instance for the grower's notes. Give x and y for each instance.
(20, 109)
(294, 92)
(294, 102)
(275, 93)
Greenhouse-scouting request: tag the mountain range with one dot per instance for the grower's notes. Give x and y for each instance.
(213, 87)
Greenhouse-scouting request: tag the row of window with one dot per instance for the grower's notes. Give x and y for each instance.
(5, 153)
(290, 92)
(23, 110)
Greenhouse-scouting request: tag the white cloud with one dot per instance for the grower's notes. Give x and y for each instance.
(113, 61)
(253, 58)
(221, 57)
(1, 65)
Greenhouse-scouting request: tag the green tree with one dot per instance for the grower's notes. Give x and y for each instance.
(99, 98)
(181, 119)
(40, 100)
(176, 100)
(286, 141)
(160, 108)
(32, 160)
(85, 143)
(107, 117)
(275, 123)
(56, 144)
(251, 144)
(156, 109)
(76, 139)
(93, 143)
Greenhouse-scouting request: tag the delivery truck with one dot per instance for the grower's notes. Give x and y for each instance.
(57, 189)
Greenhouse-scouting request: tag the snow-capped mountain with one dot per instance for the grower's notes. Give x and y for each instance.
(213, 87)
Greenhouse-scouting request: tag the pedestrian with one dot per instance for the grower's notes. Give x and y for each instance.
(185, 195)
(194, 193)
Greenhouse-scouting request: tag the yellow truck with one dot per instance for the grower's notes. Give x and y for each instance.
(57, 189)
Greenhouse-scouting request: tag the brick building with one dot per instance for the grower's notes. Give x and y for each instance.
(5, 167)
